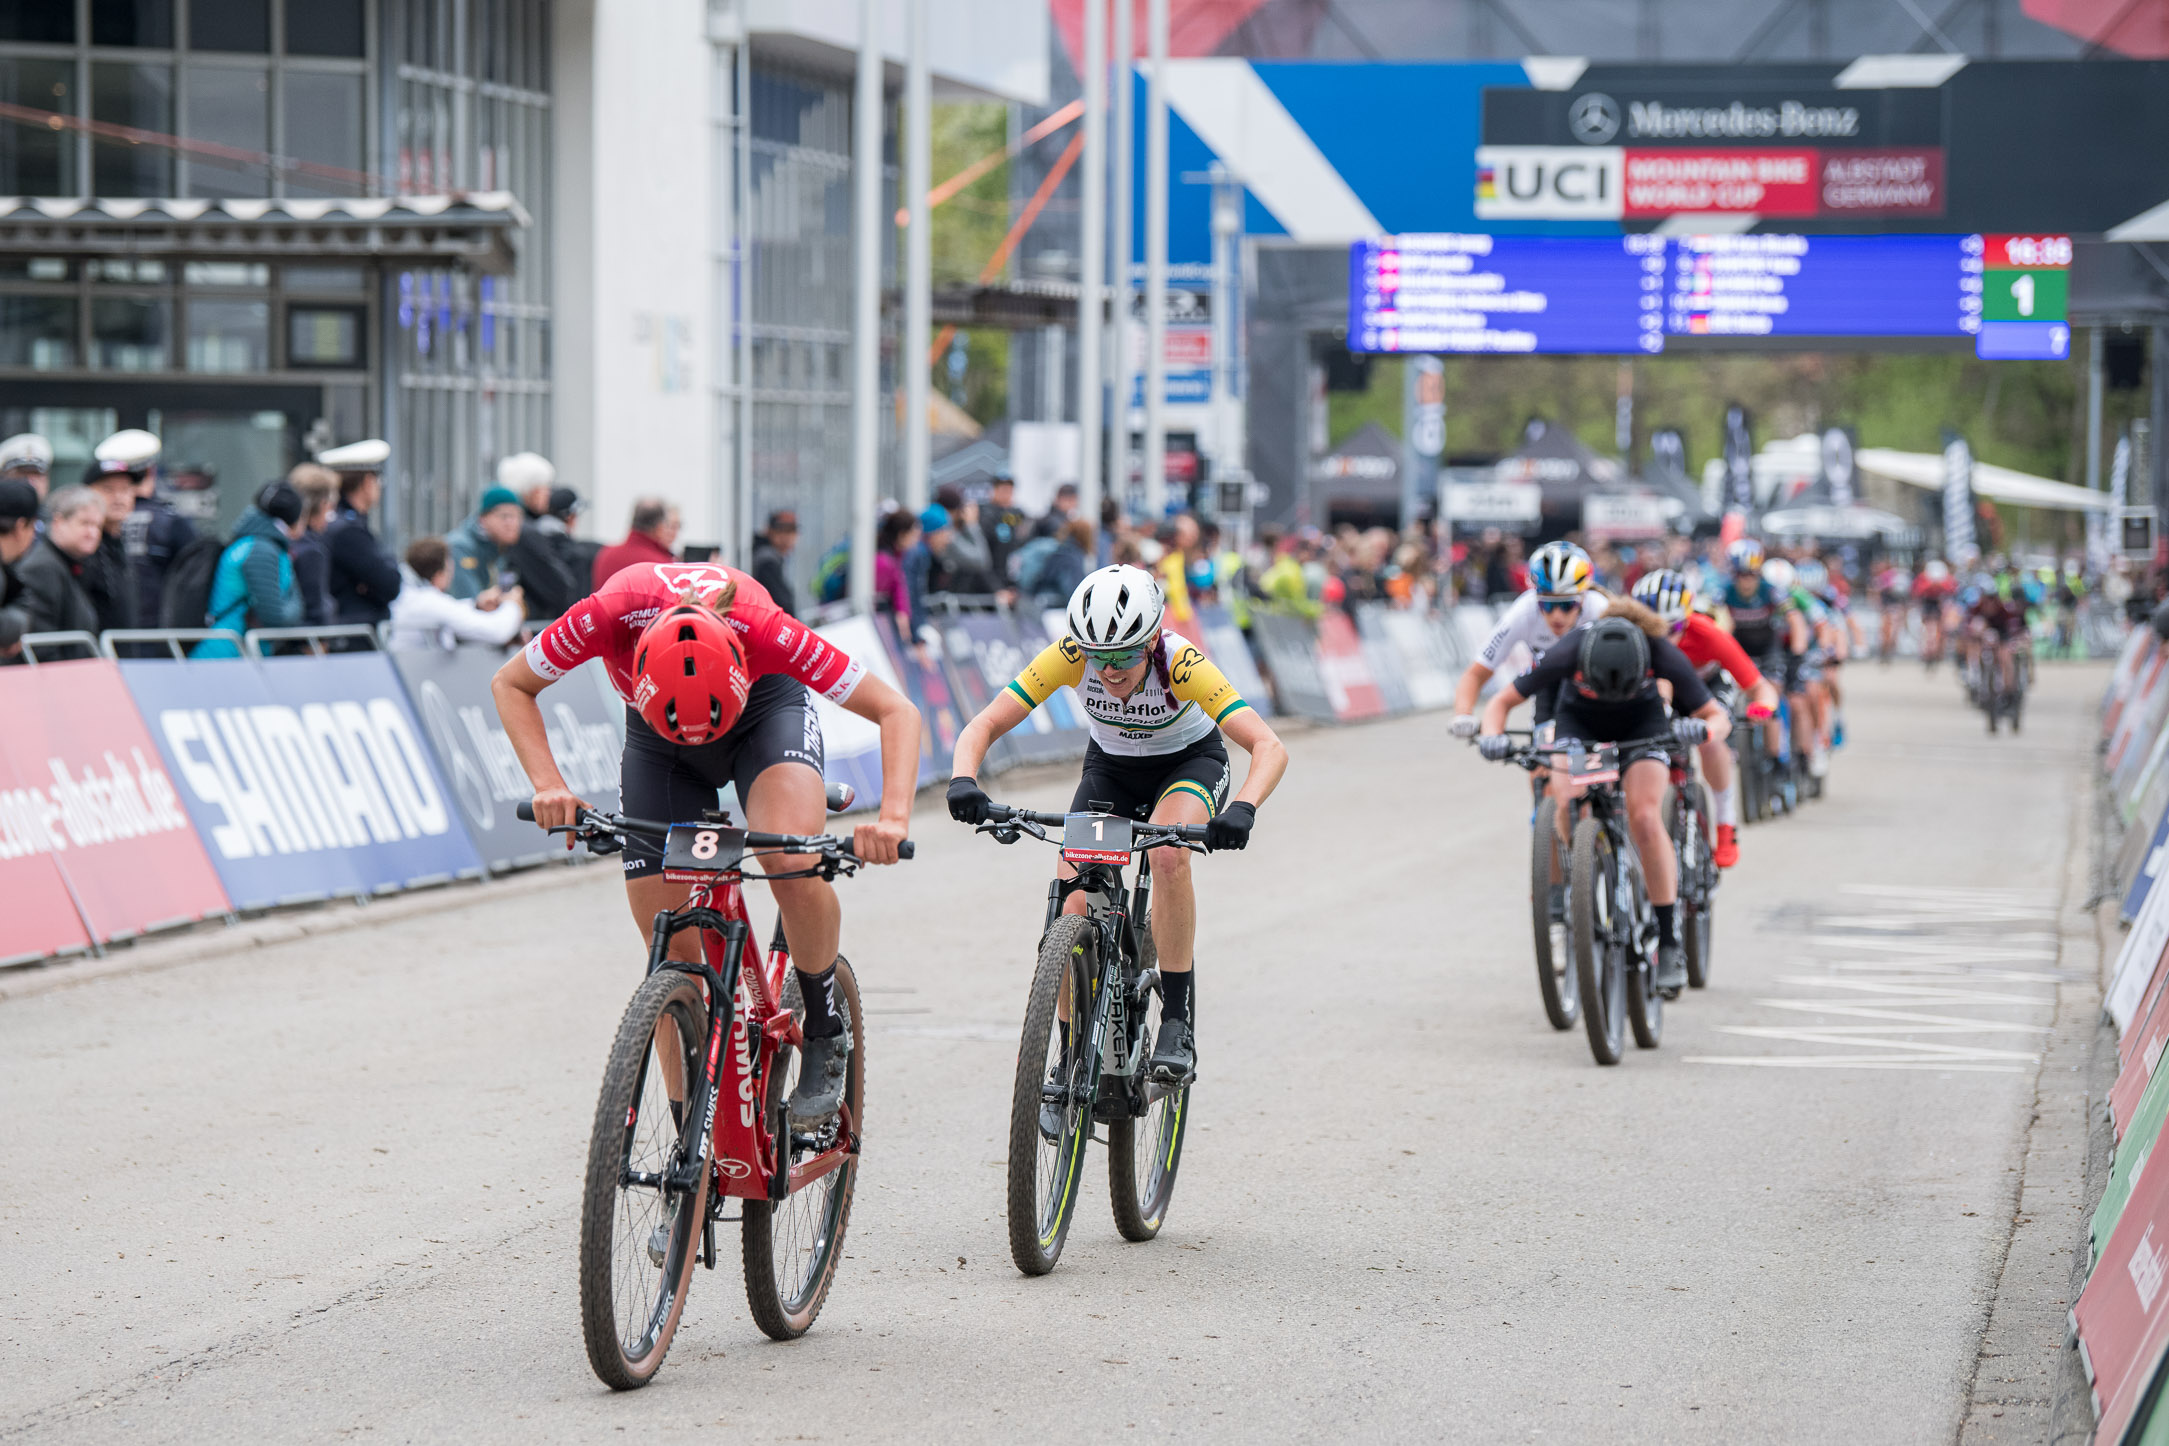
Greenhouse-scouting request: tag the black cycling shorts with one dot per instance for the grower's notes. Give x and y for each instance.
(671, 783)
(1135, 785)
(1611, 722)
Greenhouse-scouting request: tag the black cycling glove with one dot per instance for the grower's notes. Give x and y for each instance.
(967, 804)
(1230, 828)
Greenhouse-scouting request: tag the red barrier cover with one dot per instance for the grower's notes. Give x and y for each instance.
(39, 918)
(1347, 673)
(2136, 709)
(113, 821)
(2123, 1313)
(2141, 1048)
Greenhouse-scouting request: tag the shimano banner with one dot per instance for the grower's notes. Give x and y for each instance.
(586, 723)
(1959, 547)
(306, 778)
(986, 650)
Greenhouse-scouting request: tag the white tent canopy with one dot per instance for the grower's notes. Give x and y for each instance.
(1997, 484)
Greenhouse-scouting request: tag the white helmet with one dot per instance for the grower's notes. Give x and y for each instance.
(1114, 608)
(1779, 574)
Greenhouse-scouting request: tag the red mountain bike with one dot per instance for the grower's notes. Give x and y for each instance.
(655, 1189)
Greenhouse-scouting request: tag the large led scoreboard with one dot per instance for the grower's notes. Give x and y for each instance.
(1627, 294)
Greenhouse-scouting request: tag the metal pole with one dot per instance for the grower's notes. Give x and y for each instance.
(2095, 343)
(866, 305)
(1124, 78)
(1156, 265)
(1227, 224)
(742, 274)
(1092, 261)
(918, 258)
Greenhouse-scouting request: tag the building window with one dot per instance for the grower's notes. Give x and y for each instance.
(37, 332)
(141, 97)
(324, 27)
(324, 127)
(37, 160)
(228, 335)
(228, 106)
(324, 336)
(243, 25)
(144, 23)
(131, 333)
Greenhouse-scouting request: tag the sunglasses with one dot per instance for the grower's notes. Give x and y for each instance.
(1566, 605)
(1127, 658)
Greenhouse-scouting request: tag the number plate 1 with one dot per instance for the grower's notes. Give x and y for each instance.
(1096, 838)
(696, 852)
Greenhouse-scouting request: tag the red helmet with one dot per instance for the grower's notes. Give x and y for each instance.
(690, 675)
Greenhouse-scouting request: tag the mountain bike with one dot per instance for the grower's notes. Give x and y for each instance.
(1996, 699)
(715, 1041)
(1101, 965)
(1613, 925)
(1556, 982)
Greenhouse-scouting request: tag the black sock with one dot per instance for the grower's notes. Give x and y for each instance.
(819, 992)
(1175, 996)
(1664, 922)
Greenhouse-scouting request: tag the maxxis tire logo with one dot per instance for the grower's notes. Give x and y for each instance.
(1593, 118)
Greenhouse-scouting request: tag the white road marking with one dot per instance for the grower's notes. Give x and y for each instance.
(1905, 959)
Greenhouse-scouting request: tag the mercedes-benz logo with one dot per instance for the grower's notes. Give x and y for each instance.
(1594, 118)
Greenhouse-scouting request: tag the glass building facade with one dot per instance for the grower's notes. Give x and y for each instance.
(245, 361)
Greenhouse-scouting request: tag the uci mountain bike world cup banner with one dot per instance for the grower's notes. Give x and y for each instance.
(93, 837)
(306, 777)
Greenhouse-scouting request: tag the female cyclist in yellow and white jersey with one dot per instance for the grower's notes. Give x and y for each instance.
(1156, 708)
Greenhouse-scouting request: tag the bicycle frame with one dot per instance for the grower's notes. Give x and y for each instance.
(747, 1146)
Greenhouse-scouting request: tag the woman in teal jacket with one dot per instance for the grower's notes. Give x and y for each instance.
(254, 585)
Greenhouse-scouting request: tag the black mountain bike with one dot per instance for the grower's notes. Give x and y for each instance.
(1100, 965)
(1996, 700)
(1692, 825)
(1556, 982)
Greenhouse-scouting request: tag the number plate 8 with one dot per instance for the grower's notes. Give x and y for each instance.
(696, 851)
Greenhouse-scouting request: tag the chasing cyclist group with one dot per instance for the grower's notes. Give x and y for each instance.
(718, 684)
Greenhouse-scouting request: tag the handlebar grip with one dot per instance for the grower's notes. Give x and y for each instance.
(524, 812)
(906, 849)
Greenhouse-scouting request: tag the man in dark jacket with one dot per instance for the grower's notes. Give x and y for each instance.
(51, 572)
(153, 534)
(364, 574)
(1005, 526)
(18, 534)
(107, 576)
(772, 558)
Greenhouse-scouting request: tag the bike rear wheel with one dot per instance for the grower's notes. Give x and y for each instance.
(1645, 1006)
(1590, 907)
(1043, 1173)
(1143, 1154)
(638, 1239)
(1555, 974)
(1697, 878)
(791, 1246)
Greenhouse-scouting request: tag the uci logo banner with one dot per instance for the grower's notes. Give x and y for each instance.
(305, 777)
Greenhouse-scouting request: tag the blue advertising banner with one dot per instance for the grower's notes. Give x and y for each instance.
(2150, 864)
(306, 778)
(990, 648)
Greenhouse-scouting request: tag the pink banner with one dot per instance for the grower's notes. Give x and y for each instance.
(40, 919)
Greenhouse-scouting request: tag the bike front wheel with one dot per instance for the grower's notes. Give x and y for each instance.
(1045, 1166)
(1597, 956)
(1555, 975)
(638, 1235)
(1697, 879)
(792, 1245)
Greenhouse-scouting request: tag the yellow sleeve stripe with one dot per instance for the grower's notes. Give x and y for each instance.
(1023, 697)
(1222, 716)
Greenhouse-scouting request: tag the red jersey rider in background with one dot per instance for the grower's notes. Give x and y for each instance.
(1670, 596)
(716, 677)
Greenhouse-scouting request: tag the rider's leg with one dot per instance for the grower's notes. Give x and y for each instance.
(1644, 787)
(791, 798)
(1724, 800)
(1174, 903)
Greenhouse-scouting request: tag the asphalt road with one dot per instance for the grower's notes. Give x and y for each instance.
(327, 1189)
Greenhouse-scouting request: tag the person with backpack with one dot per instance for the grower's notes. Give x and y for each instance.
(153, 534)
(254, 585)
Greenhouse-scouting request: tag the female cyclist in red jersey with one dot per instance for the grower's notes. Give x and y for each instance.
(1671, 596)
(715, 679)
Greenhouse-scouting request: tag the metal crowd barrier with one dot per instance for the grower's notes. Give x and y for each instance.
(171, 639)
(253, 641)
(33, 641)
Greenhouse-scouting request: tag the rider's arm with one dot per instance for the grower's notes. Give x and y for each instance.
(1268, 757)
(1503, 702)
(994, 720)
(1796, 629)
(898, 720)
(1471, 687)
(514, 689)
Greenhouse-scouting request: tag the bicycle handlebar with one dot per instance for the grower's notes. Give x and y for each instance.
(1142, 835)
(594, 821)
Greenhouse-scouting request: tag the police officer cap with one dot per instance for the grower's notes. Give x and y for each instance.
(369, 456)
(129, 450)
(26, 452)
(523, 470)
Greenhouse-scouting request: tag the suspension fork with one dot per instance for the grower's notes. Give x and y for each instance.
(723, 1003)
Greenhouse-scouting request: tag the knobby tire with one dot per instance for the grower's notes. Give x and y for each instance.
(1589, 908)
(1555, 976)
(1037, 1227)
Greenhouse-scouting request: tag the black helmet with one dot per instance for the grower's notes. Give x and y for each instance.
(1614, 660)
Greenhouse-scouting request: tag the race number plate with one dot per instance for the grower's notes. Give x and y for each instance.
(1096, 838)
(1598, 766)
(696, 852)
